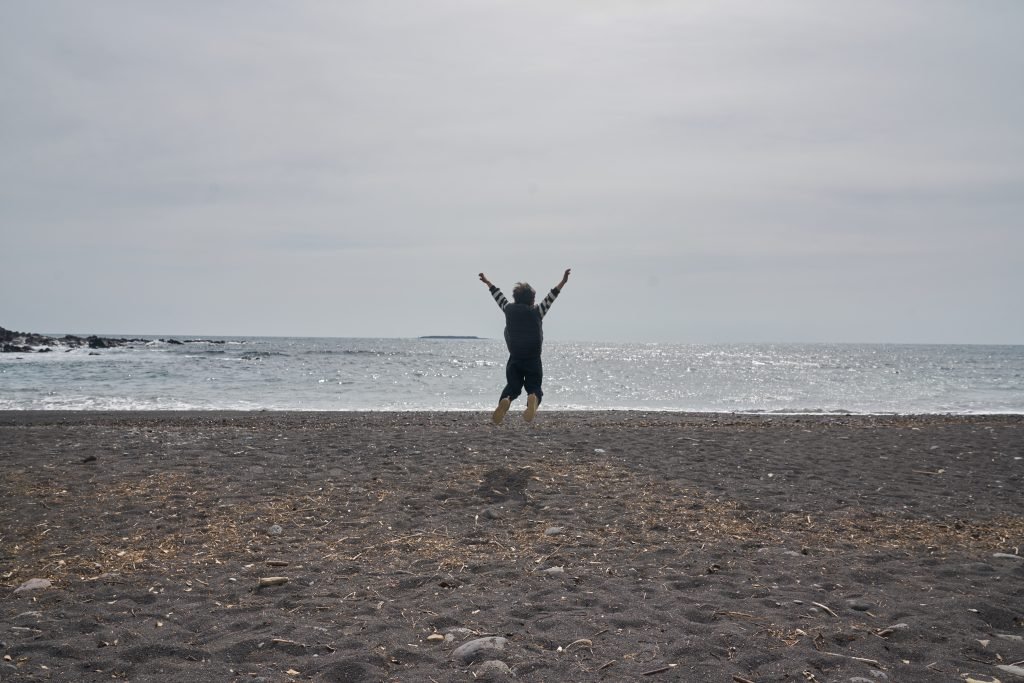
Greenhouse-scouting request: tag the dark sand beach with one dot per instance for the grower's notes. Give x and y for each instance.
(585, 546)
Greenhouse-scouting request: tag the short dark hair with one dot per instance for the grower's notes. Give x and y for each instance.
(524, 293)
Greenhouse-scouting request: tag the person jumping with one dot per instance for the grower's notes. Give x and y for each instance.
(524, 336)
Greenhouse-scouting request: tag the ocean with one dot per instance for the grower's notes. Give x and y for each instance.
(318, 374)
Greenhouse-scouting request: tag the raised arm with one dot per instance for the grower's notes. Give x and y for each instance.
(565, 278)
(553, 294)
(495, 292)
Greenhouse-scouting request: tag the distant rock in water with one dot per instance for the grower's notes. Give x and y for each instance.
(27, 342)
(448, 336)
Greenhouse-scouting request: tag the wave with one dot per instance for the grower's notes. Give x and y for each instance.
(353, 352)
(260, 355)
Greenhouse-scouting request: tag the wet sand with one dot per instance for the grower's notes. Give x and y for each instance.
(617, 546)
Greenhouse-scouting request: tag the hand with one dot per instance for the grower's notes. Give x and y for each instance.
(565, 278)
(483, 279)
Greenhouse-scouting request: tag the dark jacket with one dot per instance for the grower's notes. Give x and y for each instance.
(524, 331)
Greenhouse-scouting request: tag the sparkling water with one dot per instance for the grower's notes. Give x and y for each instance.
(262, 373)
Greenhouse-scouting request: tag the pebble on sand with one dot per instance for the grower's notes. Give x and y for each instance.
(494, 667)
(552, 571)
(33, 585)
(470, 652)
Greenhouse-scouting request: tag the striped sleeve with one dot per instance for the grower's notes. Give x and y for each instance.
(499, 297)
(548, 300)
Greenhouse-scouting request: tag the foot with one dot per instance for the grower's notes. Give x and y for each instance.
(499, 412)
(532, 403)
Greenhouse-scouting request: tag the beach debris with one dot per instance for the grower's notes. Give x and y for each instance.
(1012, 669)
(275, 530)
(88, 458)
(865, 660)
(582, 642)
(494, 667)
(889, 630)
(1007, 556)
(272, 581)
(825, 607)
(741, 679)
(599, 451)
(552, 571)
(476, 649)
(435, 636)
(1010, 637)
(457, 632)
(277, 563)
(554, 531)
(33, 585)
(34, 614)
(660, 670)
(980, 678)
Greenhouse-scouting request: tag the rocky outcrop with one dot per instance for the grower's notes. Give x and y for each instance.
(28, 342)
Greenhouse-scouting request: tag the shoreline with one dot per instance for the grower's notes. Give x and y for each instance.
(600, 545)
(14, 414)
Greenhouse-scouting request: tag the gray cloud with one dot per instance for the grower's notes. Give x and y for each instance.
(712, 171)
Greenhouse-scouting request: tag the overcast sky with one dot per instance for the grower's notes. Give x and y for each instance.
(712, 171)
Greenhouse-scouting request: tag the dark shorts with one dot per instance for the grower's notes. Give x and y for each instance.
(521, 373)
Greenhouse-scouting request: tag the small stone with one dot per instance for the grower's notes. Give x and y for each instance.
(275, 530)
(1010, 637)
(467, 653)
(859, 605)
(980, 678)
(1012, 669)
(1008, 556)
(435, 636)
(494, 667)
(552, 571)
(33, 585)
(554, 531)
